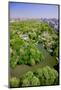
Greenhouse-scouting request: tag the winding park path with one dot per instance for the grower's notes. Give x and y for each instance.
(20, 70)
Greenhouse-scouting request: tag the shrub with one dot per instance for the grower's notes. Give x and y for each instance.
(25, 82)
(30, 55)
(46, 75)
(13, 63)
(31, 62)
(38, 73)
(35, 81)
(28, 75)
(14, 82)
(27, 78)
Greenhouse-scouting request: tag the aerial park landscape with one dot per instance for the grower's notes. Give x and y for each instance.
(34, 45)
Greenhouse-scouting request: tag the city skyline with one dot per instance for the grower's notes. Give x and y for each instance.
(29, 10)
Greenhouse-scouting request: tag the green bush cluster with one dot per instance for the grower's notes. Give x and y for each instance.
(14, 82)
(40, 77)
(25, 51)
(30, 55)
(46, 75)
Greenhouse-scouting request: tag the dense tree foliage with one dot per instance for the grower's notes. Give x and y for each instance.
(24, 38)
(14, 82)
(41, 76)
(46, 75)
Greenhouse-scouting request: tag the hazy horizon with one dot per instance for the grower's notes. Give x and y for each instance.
(29, 11)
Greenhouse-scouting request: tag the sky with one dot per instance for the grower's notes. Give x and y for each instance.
(28, 10)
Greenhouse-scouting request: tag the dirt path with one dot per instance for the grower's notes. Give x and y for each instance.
(21, 69)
